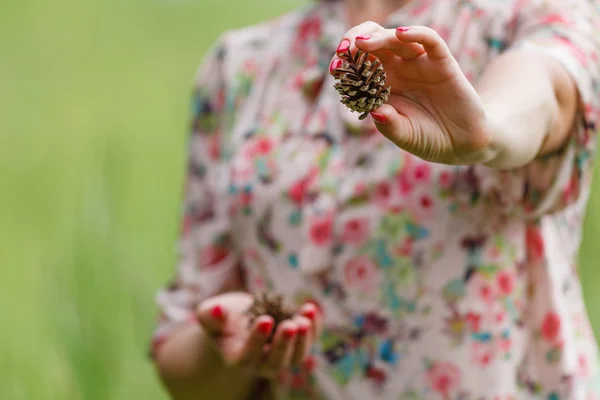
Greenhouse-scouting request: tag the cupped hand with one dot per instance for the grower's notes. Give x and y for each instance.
(433, 112)
(246, 346)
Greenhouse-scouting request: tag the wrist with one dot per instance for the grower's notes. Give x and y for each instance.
(494, 154)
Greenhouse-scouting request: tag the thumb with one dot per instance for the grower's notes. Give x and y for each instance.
(212, 317)
(395, 126)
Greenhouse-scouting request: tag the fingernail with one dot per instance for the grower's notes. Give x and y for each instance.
(364, 37)
(217, 312)
(311, 314)
(289, 333)
(380, 119)
(343, 46)
(403, 28)
(335, 64)
(265, 327)
(303, 330)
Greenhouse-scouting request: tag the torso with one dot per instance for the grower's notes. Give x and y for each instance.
(432, 285)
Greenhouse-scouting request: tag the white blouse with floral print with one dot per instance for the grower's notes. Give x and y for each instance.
(436, 281)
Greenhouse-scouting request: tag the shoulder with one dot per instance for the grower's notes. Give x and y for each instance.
(245, 50)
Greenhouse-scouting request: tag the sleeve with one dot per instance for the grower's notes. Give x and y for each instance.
(568, 32)
(208, 264)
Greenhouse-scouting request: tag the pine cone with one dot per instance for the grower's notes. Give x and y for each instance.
(362, 82)
(267, 303)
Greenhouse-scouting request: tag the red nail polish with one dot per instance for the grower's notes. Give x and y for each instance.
(217, 312)
(380, 119)
(289, 333)
(403, 29)
(364, 37)
(335, 64)
(302, 330)
(311, 314)
(265, 327)
(343, 46)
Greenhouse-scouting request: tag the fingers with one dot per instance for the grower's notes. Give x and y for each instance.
(387, 40)
(348, 39)
(211, 317)
(312, 313)
(434, 45)
(395, 126)
(347, 43)
(282, 349)
(253, 350)
(303, 341)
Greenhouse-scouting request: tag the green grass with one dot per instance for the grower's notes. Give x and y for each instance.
(93, 113)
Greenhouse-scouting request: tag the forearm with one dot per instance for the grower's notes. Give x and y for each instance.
(192, 370)
(530, 102)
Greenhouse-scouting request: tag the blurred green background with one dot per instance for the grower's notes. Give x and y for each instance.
(93, 115)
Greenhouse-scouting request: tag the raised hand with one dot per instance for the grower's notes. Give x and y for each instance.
(433, 112)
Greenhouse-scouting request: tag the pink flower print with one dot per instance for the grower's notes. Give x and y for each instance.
(383, 194)
(211, 255)
(483, 353)
(362, 274)
(535, 243)
(445, 180)
(421, 205)
(444, 378)
(405, 247)
(404, 186)
(214, 147)
(506, 282)
(309, 28)
(246, 198)
(242, 170)
(421, 173)
(360, 188)
(504, 344)
(576, 51)
(583, 366)
(263, 145)
(500, 317)
(485, 291)
(321, 230)
(474, 321)
(298, 191)
(480, 288)
(550, 327)
(552, 19)
(356, 231)
(570, 191)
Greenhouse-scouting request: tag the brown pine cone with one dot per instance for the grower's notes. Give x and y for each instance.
(268, 303)
(362, 82)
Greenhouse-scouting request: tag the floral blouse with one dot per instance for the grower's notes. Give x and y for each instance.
(435, 281)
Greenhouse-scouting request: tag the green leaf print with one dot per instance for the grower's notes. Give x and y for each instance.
(410, 394)
(392, 225)
(488, 270)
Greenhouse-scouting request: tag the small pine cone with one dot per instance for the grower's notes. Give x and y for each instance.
(267, 303)
(362, 82)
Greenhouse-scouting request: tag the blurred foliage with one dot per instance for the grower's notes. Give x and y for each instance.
(93, 113)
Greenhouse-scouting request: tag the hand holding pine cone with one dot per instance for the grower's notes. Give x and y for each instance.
(362, 82)
(424, 102)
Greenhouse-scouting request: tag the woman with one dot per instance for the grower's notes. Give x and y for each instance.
(438, 264)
